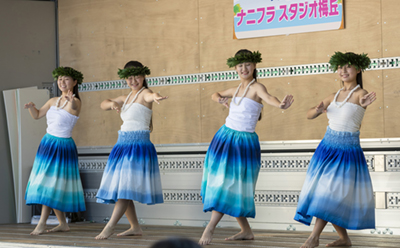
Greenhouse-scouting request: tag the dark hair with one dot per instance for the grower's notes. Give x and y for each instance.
(75, 89)
(359, 79)
(134, 63)
(175, 243)
(76, 92)
(244, 51)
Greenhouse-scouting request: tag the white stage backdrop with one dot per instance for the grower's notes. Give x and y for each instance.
(25, 134)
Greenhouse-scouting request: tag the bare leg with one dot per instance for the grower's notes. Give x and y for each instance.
(245, 233)
(63, 226)
(41, 226)
(313, 239)
(344, 239)
(120, 208)
(206, 238)
(135, 229)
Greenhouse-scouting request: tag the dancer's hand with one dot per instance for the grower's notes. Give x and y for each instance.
(223, 101)
(286, 102)
(157, 98)
(115, 106)
(367, 99)
(69, 97)
(29, 105)
(320, 108)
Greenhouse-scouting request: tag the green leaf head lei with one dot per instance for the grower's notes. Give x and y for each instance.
(254, 57)
(68, 71)
(359, 61)
(133, 71)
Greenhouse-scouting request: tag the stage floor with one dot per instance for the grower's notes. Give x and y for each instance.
(82, 235)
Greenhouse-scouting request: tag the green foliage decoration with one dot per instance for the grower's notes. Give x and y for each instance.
(254, 57)
(133, 71)
(68, 71)
(360, 61)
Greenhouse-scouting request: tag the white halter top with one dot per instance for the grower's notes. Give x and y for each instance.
(345, 116)
(244, 117)
(136, 117)
(60, 122)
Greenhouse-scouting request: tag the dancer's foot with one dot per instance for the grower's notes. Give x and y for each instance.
(207, 236)
(132, 232)
(39, 229)
(106, 233)
(311, 242)
(60, 228)
(243, 235)
(340, 242)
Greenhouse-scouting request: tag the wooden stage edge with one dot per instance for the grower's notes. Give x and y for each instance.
(82, 235)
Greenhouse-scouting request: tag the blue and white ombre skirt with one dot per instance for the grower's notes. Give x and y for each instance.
(231, 169)
(55, 180)
(132, 171)
(338, 186)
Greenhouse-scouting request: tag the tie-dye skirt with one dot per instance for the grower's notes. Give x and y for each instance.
(132, 171)
(54, 180)
(338, 186)
(230, 173)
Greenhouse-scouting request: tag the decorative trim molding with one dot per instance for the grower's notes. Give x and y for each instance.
(189, 163)
(195, 163)
(275, 198)
(392, 162)
(182, 196)
(285, 163)
(370, 162)
(393, 200)
(52, 88)
(92, 164)
(261, 197)
(296, 163)
(90, 195)
(222, 76)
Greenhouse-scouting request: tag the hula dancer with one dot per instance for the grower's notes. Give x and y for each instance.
(233, 158)
(54, 181)
(338, 188)
(132, 172)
